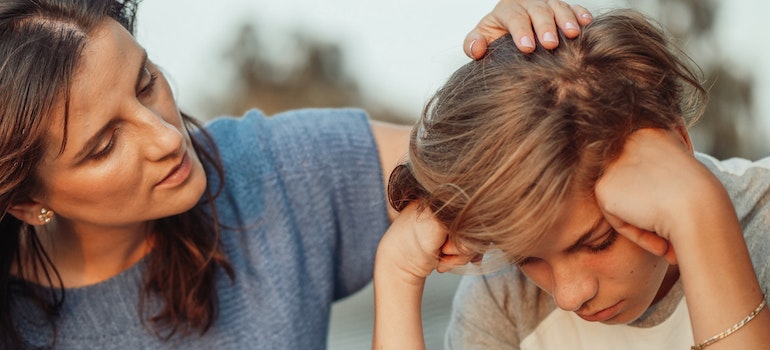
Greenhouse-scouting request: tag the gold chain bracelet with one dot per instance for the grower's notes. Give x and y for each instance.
(732, 329)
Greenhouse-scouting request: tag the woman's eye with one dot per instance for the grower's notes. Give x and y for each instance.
(605, 244)
(106, 149)
(147, 89)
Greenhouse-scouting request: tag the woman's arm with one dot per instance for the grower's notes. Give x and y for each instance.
(657, 193)
(392, 143)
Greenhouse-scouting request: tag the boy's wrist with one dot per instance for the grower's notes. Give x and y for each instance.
(395, 267)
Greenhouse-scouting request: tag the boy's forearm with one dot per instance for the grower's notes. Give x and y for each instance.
(717, 274)
(398, 308)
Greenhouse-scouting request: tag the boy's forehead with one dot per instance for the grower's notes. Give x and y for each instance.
(578, 218)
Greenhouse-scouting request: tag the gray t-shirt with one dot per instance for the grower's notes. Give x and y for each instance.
(305, 191)
(505, 310)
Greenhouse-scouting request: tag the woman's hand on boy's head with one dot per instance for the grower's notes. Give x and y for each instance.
(518, 17)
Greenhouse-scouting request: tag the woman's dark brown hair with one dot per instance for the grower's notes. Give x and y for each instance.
(41, 43)
(508, 137)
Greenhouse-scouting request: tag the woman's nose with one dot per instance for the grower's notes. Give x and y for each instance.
(163, 138)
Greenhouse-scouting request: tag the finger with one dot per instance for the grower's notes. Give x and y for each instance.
(543, 21)
(449, 248)
(583, 16)
(566, 18)
(505, 18)
(670, 255)
(449, 262)
(475, 45)
(647, 240)
(517, 21)
(651, 242)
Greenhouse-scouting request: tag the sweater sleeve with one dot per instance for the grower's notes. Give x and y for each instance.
(345, 186)
(307, 185)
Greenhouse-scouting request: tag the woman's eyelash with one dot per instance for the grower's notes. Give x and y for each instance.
(107, 149)
(604, 245)
(147, 89)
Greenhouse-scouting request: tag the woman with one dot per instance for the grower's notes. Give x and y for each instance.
(127, 225)
(575, 166)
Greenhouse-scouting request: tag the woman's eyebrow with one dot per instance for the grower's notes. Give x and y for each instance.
(583, 238)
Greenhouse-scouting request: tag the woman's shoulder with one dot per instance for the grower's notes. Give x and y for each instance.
(293, 138)
(255, 118)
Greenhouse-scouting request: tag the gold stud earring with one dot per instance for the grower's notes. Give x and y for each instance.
(45, 215)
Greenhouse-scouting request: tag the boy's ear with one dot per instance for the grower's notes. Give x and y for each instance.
(32, 213)
(682, 130)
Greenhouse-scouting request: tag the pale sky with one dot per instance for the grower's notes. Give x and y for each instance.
(400, 51)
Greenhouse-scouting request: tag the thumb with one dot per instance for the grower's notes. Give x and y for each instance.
(475, 45)
(451, 256)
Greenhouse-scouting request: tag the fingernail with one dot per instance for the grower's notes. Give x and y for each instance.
(526, 42)
(470, 47)
(549, 37)
(570, 26)
(586, 16)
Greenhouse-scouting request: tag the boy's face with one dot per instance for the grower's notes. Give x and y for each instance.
(592, 270)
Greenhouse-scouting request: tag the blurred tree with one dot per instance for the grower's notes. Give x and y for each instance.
(727, 128)
(311, 73)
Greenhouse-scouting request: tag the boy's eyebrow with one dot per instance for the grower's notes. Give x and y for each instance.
(586, 235)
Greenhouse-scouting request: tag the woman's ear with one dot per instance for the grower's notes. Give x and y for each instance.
(32, 213)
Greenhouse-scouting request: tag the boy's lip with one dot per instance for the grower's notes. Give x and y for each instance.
(601, 315)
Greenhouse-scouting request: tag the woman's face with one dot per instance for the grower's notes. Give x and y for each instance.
(127, 159)
(592, 270)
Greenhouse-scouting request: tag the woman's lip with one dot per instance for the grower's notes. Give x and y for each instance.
(602, 315)
(178, 174)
